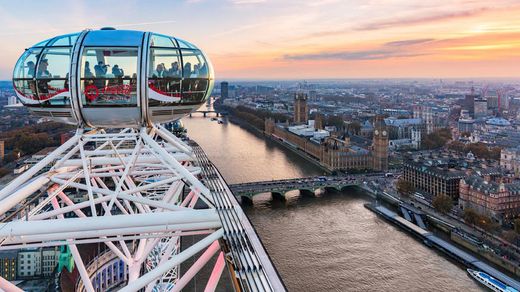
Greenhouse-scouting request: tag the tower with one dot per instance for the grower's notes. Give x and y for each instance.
(301, 111)
(224, 90)
(269, 125)
(380, 145)
(426, 115)
(318, 122)
(416, 138)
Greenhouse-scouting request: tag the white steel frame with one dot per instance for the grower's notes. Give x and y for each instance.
(139, 186)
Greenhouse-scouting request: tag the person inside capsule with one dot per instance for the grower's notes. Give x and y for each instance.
(43, 84)
(101, 72)
(30, 69)
(174, 71)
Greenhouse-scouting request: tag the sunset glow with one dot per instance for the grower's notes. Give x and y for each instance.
(298, 39)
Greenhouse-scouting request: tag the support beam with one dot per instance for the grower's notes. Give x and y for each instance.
(216, 273)
(196, 267)
(8, 286)
(174, 261)
(21, 179)
(26, 228)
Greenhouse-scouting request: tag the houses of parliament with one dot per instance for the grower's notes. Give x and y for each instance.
(332, 150)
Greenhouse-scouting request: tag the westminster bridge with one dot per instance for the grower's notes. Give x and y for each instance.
(307, 186)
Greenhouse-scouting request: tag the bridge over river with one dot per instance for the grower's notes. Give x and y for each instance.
(307, 186)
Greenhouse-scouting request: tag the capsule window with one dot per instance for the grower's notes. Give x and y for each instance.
(52, 77)
(195, 72)
(24, 77)
(161, 41)
(26, 66)
(66, 40)
(109, 77)
(185, 45)
(195, 65)
(164, 77)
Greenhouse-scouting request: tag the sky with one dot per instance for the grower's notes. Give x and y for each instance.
(297, 39)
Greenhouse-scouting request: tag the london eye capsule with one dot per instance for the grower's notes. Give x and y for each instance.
(113, 78)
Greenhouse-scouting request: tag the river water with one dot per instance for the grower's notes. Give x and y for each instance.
(328, 243)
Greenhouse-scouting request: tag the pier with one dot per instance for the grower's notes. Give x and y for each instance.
(453, 251)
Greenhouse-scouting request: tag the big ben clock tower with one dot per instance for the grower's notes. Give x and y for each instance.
(380, 145)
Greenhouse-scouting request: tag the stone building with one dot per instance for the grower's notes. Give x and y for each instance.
(334, 153)
(510, 160)
(499, 198)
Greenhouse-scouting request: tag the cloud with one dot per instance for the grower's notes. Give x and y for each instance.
(242, 2)
(315, 3)
(355, 55)
(408, 42)
(394, 49)
(411, 20)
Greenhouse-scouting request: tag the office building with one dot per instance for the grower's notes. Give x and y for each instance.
(224, 90)
(8, 261)
(480, 108)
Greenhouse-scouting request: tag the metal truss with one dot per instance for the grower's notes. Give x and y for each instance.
(134, 191)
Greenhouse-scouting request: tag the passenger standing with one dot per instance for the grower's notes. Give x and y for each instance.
(101, 72)
(42, 72)
(118, 72)
(87, 73)
(30, 69)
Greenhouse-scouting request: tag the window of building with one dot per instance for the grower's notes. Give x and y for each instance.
(109, 77)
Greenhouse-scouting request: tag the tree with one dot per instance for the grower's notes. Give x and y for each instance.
(442, 203)
(436, 139)
(457, 146)
(511, 236)
(517, 225)
(3, 172)
(405, 188)
(335, 121)
(470, 216)
(354, 127)
(486, 223)
(479, 149)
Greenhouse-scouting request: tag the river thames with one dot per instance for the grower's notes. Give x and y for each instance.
(327, 243)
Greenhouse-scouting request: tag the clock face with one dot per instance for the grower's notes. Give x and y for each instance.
(384, 133)
(376, 132)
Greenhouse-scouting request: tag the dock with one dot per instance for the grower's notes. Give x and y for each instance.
(442, 245)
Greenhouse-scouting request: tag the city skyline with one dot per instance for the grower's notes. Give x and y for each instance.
(262, 39)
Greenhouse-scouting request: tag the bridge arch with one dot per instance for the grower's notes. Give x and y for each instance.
(306, 192)
(246, 200)
(278, 196)
(333, 189)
